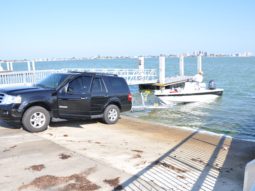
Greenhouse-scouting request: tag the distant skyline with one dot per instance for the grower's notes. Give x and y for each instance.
(83, 28)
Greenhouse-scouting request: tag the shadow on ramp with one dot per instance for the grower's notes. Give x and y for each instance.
(197, 163)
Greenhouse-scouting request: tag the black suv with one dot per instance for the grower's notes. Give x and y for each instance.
(72, 95)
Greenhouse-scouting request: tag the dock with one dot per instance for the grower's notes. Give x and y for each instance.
(144, 78)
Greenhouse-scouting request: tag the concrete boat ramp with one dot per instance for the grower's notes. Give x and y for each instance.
(130, 155)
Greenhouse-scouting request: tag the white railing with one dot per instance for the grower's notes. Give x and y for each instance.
(26, 77)
(132, 76)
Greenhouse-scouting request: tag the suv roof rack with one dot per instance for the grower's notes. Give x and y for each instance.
(105, 74)
(88, 72)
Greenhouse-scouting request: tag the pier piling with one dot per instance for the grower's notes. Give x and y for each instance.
(199, 64)
(162, 63)
(141, 63)
(28, 66)
(181, 65)
(11, 66)
(33, 65)
(141, 66)
(8, 66)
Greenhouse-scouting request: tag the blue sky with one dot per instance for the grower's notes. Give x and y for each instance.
(66, 28)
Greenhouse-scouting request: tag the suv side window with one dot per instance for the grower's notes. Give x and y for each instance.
(97, 86)
(80, 85)
(117, 85)
(86, 83)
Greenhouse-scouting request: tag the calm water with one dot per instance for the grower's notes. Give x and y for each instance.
(232, 114)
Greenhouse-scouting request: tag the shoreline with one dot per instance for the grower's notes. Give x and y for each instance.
(187, 128)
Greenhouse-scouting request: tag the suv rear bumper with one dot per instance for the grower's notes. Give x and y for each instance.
(126, 107)
(10, 113)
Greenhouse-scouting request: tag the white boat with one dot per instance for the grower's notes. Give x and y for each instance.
(187, 91)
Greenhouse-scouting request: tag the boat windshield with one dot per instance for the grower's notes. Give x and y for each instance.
(52, 81)
(176, 85)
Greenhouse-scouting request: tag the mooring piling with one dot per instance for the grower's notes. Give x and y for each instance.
(33, 65)
(9, 66)
(181, 65)
(141, 63)
(28, 66)
(162, 66)
(199, 63)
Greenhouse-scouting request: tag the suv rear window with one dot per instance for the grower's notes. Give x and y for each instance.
(115, 84)
(97, 86)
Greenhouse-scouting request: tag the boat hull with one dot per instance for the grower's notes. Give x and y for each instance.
(201, 96)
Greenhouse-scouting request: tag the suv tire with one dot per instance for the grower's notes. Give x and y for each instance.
(111, 114)
(36, 119)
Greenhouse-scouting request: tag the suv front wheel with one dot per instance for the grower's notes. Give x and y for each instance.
(36, 119)
(111, 114)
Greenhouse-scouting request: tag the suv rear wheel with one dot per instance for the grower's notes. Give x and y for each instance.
(111, 114)
(36, 119)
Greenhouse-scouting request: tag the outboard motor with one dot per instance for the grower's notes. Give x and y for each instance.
(212, 85)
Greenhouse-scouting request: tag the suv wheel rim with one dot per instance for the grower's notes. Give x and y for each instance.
(112, 114)
(37, 120)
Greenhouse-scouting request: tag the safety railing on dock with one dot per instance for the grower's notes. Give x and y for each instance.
(132, 76)
(23, 78)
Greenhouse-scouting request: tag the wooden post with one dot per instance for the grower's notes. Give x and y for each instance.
(199, 64)
(162, 66)
(181, 65)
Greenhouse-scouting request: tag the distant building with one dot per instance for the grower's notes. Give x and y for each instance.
(242, 54)
(248, 54)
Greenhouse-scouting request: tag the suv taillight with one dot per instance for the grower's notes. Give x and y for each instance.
(129, 97)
